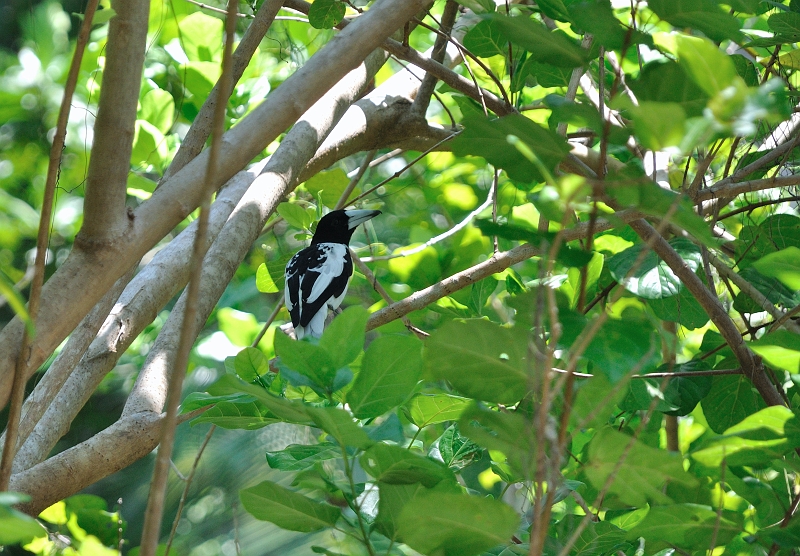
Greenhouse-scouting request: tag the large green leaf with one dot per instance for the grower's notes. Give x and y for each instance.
(704, 15)
(783, 265)
(398, 466)
(343, 339)
(638, 472)
(756, 441)
(623, 346)
(480, 359)
(731, 399)
(445, 524)
(287, 410)
(339, 425)
(780, 349)
(390, 370)
(311, 361)
(287, 509)
(328, 186)
(298, 457)
(509, 433)
(241, 412)
(430, 409)
(15, 526)
(680, 395)
(597, 18)
(392, 499)
(489, 139)
(646, 275)
(682, 308)
(687, 526)
(326, 14)
(665, 81)
(599, 538)
(457, 451)
(544, 45)
(486, 39)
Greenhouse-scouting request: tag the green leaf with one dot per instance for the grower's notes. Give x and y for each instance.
(666, 82)
(680, 395)
(785, 24)
(682, 308)
(326, 14)
(771, 288)
(457, 451)
(390, 370)
(622, 346)
(643, 471)
(448, 524)
(343, 339)
(489, 139)
(486, 39)
(430, 409)
(264, 281)
(596, 401)
(711, 69)
(554, 9)
(652, 278)
(158, 108)
(287, 509)
(780, 349)
(286, 410)
(15, 526)
(298, 457)
(659, 125)
(480, 359)
(479, 294)
(91, 514)
(508, 433)
(295, 215)
(686, 526)
(391, 502)
(340, 425)
(550, 47)
(569, 256)
(201, 37)
(311, 361)
(597, 19)
(251, 364)
(632, 189)
(704, 15)
(149, 145)
(737, 395)
(247, 415)
(756, 441)
(398, 466)
(599, 538)
(783, 265)
(329, 186)
(15, 301)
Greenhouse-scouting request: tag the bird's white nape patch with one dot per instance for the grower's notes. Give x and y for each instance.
(331, 268)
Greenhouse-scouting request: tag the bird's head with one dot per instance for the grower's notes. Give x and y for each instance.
(338, 226)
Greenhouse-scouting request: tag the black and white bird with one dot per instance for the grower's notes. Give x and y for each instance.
(317, 276)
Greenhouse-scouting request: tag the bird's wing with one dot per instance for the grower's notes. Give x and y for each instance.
(316, 278)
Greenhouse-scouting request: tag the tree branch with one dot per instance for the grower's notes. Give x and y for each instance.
(104, 212)
(752, 367)
(497, 263)
(196, 137)
(66, 300)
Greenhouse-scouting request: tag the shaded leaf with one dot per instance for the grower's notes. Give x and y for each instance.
(287, 509)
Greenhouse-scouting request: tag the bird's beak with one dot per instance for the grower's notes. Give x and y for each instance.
(356, 217)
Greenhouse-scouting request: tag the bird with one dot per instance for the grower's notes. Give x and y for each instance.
(317, 276)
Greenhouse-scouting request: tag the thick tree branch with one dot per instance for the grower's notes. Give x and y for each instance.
(65, 298)
(72, 470)
(196, 137)
(104, 212)
(728, 191)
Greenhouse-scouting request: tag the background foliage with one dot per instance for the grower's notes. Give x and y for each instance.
(521, 422)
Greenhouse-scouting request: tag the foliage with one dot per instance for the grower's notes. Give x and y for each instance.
(586, 399)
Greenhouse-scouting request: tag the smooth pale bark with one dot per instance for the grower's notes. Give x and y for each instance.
(66, 299)
(104, 212)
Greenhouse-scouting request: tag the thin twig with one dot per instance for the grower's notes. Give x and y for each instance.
(365, 165)
(185, 493)
(42, 239)
(155, 502)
